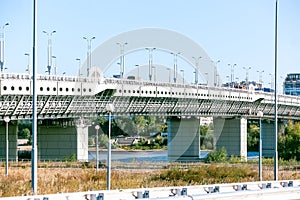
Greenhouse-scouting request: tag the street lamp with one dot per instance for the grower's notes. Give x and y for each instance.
(28, 62)
(272, 82)
(138, 72)
(197, 68)
(150, 50)
(215, 72)
(169, 74)
(175, 65)
(122, 58)
(97, 150)
(49, 50)
(55, 67)
(247, 75)
(2, 39)
(154, 74)
(260, 115)
(6, 119)
(260, 75)
(79, 65)
(232, 73)
(182, 70)
(109, 109)
(89, 55)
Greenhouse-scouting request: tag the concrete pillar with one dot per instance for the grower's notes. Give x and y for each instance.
(59, 140)
(183, 139)
(232, 135)
(268, 137)
(12, 141)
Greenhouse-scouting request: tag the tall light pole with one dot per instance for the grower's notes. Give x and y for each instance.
(138, 72)
(49, 49)
(2, 41)
(97, 149)
(109, 109)
(215, 72)
(6, 119)
(89, 54)
(150, 51)
(272, 82)
(54, 65)
(28, 62)
(169, 74)
(275, 99)
(247, 75)
(79, 65)
(232, 73)
(122, 58)
(260, 76)
(34, 176)
(182, 70)
(260, 115)
(197, 68)
(154, 74)
(175, 65)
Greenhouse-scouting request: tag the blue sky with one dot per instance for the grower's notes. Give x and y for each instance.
(232, 31)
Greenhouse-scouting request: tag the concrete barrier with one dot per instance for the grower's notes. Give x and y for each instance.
(266, 190)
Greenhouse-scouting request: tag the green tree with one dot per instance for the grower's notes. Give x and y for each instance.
(289, 142)
(253, 137)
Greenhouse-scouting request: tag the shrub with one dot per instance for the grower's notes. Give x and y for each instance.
(217, 156)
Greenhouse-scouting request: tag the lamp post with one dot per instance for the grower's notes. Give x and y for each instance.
(97, 149)
(197, 68)
(138, 71)
(216, 72)
(150, 51)
(89, 54)
(232, 73)
(2, 39)
(28, 62)
(206, 74)
(154, 74)
(247, 75)
(54, 65)
(109, 109)
(260, 76)
(79, 65)
(182, 70)
(6, 119)
(169, 74)
(49, 50)
(260, 115)
(272, 82)
(175, 65)
(122, 58)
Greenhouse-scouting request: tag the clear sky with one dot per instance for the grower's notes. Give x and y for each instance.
(233, 31)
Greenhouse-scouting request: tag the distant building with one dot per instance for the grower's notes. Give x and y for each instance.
(291, 85)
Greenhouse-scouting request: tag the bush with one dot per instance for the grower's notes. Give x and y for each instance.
(217, 156)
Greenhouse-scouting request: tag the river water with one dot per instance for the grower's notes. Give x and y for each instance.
(145, 156)
(129, 156)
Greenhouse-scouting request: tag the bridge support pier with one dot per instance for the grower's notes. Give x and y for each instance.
(61, 140)
(183, 139)
(12, 141)
(232, 135)
(268, 137)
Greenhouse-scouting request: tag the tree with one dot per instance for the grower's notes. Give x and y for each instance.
(289, 142)
(253, 137)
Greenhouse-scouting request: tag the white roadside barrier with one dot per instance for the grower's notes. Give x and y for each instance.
(287, 189)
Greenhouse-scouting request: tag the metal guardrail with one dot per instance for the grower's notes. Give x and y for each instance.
(285, 189)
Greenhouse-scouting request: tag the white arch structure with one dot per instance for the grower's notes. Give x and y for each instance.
(107, 52)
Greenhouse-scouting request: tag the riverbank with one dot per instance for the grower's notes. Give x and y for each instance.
(76, 176)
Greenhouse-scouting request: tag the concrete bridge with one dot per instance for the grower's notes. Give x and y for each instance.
(73, 100)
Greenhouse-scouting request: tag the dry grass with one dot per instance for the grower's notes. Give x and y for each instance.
(53, 180)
